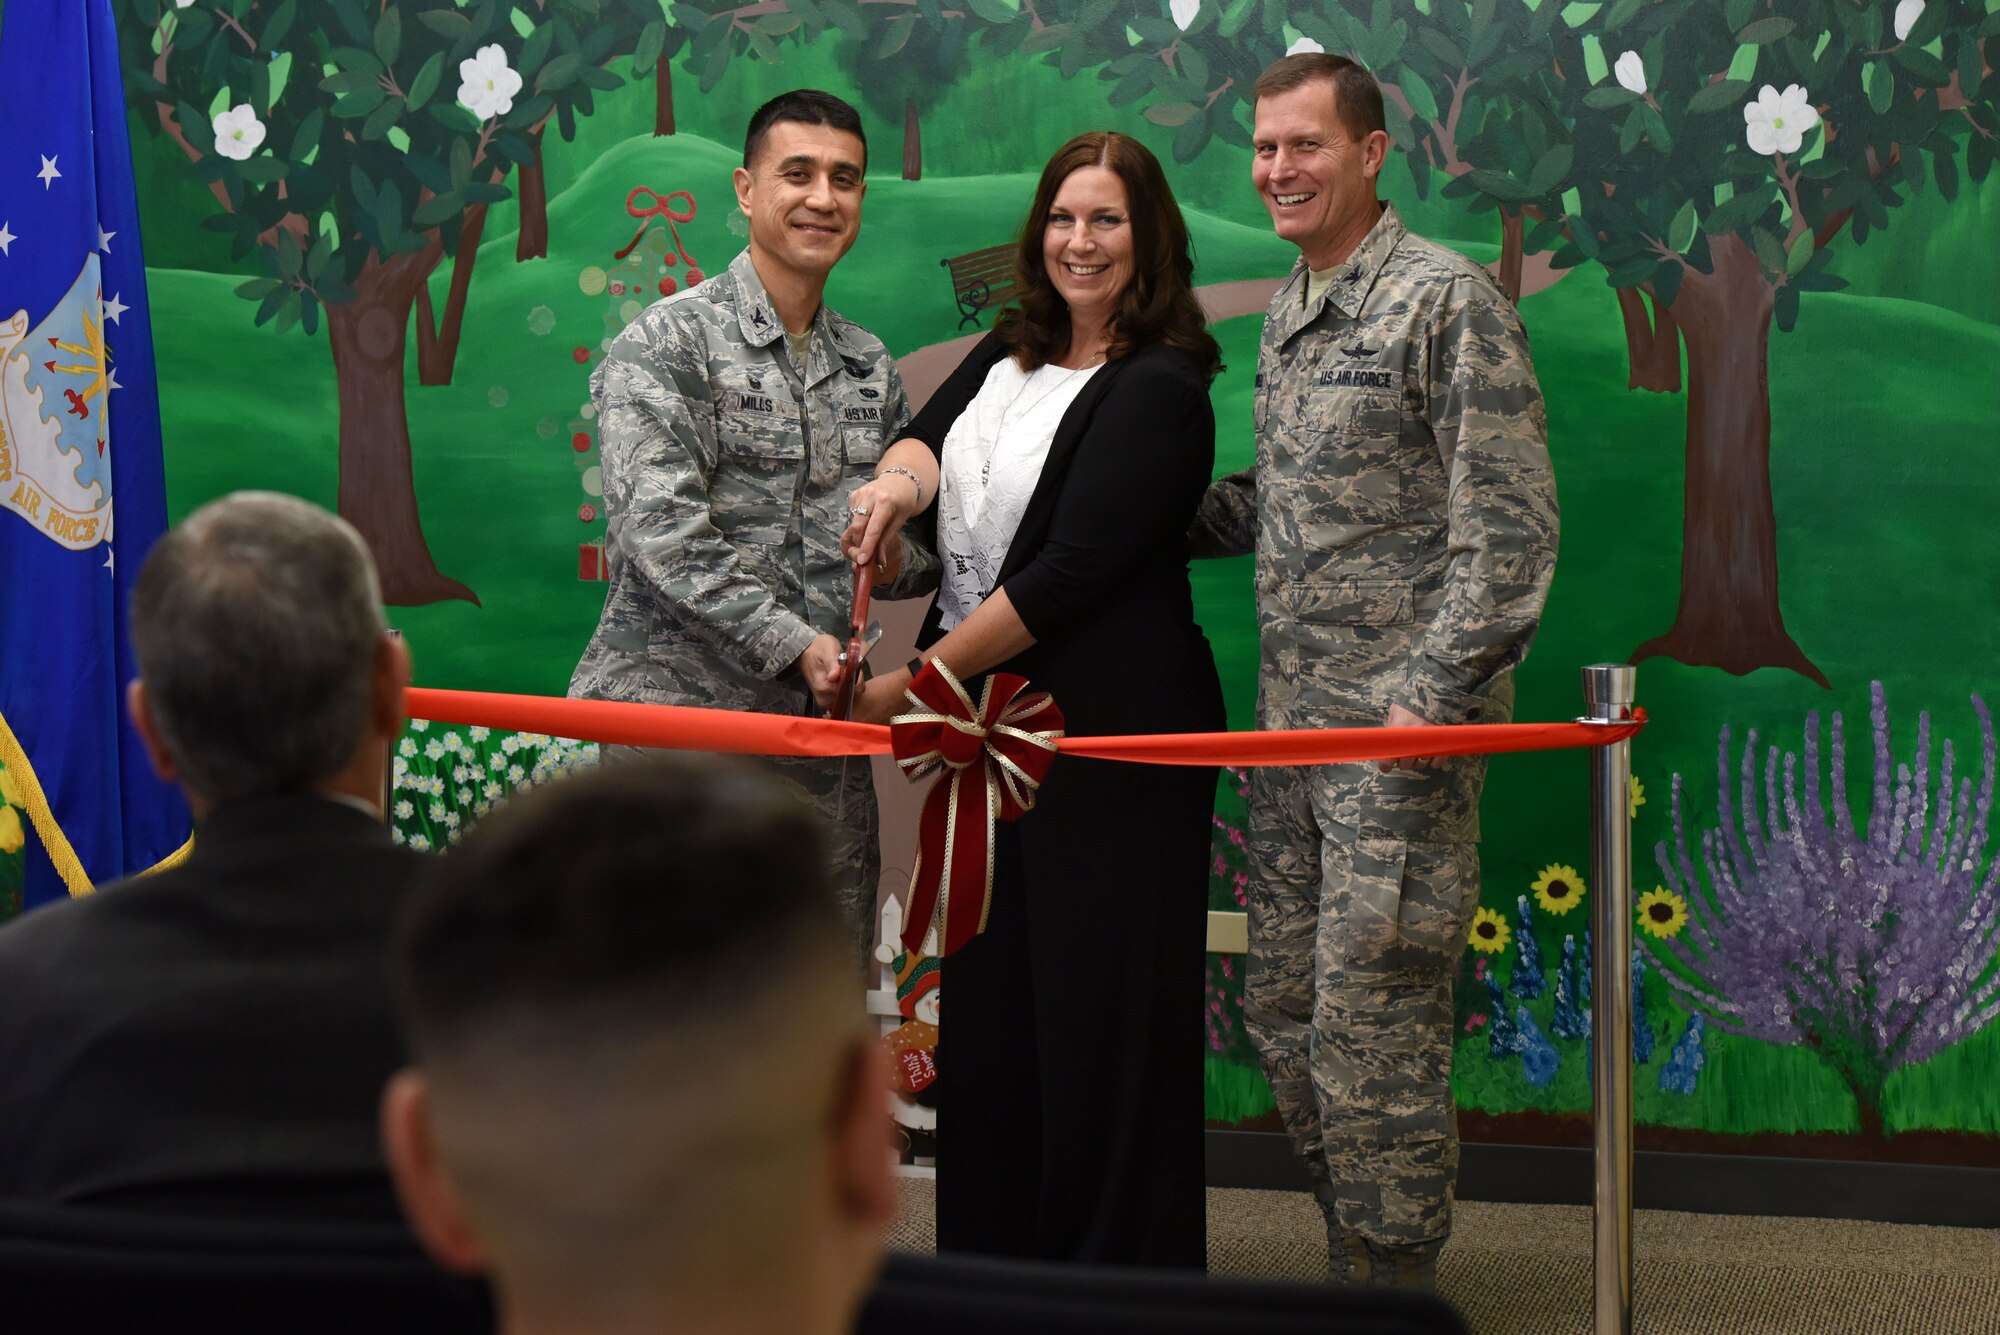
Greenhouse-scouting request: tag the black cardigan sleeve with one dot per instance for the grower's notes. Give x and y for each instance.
(1131, 491)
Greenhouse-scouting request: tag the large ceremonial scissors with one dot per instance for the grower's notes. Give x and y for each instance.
(861, 637)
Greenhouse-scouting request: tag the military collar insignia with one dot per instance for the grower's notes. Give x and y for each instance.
(758, 320)
(1367, 261)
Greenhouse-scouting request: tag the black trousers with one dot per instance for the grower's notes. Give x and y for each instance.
(1070, 1035)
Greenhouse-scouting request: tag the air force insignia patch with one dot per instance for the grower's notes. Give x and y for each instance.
(55, 467)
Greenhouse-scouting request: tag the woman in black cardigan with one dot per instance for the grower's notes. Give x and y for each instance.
(1074, 1118)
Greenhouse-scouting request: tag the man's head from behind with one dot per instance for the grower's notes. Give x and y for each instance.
(264, 666)
(801, 183)
(642, 1083)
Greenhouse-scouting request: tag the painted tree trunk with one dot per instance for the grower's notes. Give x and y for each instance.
(663, 97)
(913, 142)
(1652, 343)
(1512, 230)
(531, 188)
(437, 343)
(1729, 615)
(377, 493)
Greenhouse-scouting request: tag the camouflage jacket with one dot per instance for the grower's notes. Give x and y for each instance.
(1402, 507)
(726, 477)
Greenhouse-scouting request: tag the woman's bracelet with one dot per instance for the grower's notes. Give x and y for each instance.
(914, 480)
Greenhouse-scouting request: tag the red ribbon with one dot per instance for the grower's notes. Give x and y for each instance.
(659, 208)
(985, 763)
(685, 728)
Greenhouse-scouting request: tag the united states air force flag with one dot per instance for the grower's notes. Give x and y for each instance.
(81, 491)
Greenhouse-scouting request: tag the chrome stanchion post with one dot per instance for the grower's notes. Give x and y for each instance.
(1608, 693)
(389, 766)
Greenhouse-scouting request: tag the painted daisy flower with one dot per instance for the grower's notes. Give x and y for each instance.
(434, 749)
(1558, 889)
(405, 809)
(1636, 793)
(406, 748)
(1490, 932)
(238, 132)
(486, 83)
(480, 734)
(420, 842)
(1777, 122)
(1662, 912)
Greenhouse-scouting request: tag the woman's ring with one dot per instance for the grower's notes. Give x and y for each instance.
(859, 510)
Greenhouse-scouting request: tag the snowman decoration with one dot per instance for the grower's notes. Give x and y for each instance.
(912, 1045)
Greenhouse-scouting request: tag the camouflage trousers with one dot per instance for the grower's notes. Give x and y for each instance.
(851, 829)
(1356, 930)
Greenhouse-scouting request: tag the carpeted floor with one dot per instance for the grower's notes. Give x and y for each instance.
(1525, 1269)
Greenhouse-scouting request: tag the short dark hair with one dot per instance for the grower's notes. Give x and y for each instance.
(1158, 305)
(806, 106)
(1357, 97)
(653, 891)
(256, 624)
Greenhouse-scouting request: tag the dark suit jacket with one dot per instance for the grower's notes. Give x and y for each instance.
(1098, 569)
(215, 1036)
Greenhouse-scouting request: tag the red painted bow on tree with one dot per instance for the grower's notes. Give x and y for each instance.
(661, 207)
(987, 761)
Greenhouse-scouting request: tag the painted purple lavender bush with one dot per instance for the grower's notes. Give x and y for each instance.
(1875, 951)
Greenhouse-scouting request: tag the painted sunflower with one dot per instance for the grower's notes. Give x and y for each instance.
(1662, 912)
(1490, 932)
(1558, 889)
(1636, 794)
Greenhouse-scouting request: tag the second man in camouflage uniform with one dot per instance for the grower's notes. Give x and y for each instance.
(1404, 519)
(734, 418)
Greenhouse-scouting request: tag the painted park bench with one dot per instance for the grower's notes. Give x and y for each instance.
(982, 280)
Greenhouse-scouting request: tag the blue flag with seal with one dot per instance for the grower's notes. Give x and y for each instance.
(82, 492)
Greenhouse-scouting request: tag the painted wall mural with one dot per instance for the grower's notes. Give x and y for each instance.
(1753, 242)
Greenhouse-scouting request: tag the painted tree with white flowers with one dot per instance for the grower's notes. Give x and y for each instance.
(354, 147)
(1710, 157)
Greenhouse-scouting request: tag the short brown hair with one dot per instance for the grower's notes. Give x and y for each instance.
(1357, 98)
(1158, 306)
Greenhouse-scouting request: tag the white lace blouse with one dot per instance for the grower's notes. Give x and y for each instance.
(993, 458)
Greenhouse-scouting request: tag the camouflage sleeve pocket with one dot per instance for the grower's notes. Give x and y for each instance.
(863, 445)
(1409, 907)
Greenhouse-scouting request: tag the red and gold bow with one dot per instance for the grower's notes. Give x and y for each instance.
(985, 763)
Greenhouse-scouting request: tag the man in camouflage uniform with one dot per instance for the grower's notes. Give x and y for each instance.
(734, 418)
(1404, 519)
